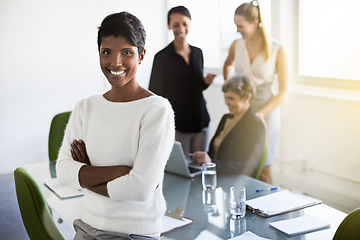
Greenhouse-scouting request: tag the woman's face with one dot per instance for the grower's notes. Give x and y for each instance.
(119, 60)
(235, 103)
(244, 27)
(180, 25)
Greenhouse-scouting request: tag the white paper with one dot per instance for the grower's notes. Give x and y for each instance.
(62, 191)
(249, 236)
(206, 234)
(299, 225)
(169, 223)
(279, 202)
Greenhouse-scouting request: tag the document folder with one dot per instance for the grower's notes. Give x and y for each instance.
(280, 202)
(174, 220)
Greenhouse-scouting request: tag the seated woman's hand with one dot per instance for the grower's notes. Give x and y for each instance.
(200, 157)
(78, 152)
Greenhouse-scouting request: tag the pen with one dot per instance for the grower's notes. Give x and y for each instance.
(271, 189)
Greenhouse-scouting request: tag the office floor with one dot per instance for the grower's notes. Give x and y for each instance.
(11, 225)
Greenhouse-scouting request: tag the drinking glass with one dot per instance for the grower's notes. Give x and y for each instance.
(209, 200)
(209, 175)
(237, 201)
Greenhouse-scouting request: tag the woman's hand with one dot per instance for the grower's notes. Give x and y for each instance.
(200, 157)
(78, 152)
(261, 116)
(209, 78)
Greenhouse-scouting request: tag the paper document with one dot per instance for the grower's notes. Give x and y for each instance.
(169, 223)
(280, 202)
(299, 225)
(63, 192)
(249, 236)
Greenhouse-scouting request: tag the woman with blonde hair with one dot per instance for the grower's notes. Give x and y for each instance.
(256, 55)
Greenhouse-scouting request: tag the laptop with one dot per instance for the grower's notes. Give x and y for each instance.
(179, 164)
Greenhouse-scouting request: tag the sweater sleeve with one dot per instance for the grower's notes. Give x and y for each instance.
(67, 169)
(157, 133)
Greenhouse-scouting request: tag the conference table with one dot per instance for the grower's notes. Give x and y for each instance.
(208, 209)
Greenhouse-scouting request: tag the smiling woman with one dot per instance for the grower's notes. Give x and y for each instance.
(116, 145)
(177, 75)
(238, 144)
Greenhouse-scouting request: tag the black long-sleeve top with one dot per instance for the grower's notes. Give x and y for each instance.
(242, 148)
(182, 84)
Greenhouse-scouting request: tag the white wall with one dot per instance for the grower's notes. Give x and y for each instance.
(49, 61)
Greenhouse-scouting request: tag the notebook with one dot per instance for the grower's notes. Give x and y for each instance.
(61, 191)
(179, 164)
(300, 225)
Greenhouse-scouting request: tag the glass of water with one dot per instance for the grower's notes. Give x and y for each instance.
(209, 175)
(237, 201)
(209, 200)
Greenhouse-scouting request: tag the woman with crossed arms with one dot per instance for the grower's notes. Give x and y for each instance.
(116, 144)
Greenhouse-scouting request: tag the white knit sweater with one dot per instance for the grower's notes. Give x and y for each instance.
(139, 134)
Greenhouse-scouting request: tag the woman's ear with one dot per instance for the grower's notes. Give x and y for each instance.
(142, 55)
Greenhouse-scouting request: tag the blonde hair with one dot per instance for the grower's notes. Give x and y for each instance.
(251, 11)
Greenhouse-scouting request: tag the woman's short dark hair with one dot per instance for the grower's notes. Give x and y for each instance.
(242, 85)
(123, 24)
(179, 9)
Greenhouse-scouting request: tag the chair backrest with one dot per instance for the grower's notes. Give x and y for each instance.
(263, 158)
(35, 214)
(349, 228)
(56, 134)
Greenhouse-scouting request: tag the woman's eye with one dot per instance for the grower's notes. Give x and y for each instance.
(105, 52)
(127, 53)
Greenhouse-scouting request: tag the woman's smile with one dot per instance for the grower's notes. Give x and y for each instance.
(117, 72)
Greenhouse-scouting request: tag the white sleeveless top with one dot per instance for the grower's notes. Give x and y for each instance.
(260, 70)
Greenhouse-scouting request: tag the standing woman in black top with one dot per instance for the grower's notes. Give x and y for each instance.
(177, 74)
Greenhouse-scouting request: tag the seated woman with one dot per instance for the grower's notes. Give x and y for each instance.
(238, 144)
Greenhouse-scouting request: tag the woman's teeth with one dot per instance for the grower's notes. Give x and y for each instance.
(116, 72)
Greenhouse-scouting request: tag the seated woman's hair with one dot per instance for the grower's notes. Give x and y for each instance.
(123, 24)
(242, 85)
(179, 9)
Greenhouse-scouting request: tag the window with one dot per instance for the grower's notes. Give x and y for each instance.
(329, 40)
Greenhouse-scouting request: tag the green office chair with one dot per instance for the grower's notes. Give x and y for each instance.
(56, 134)
(349, 228)
(34, 212)
(263, 158)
